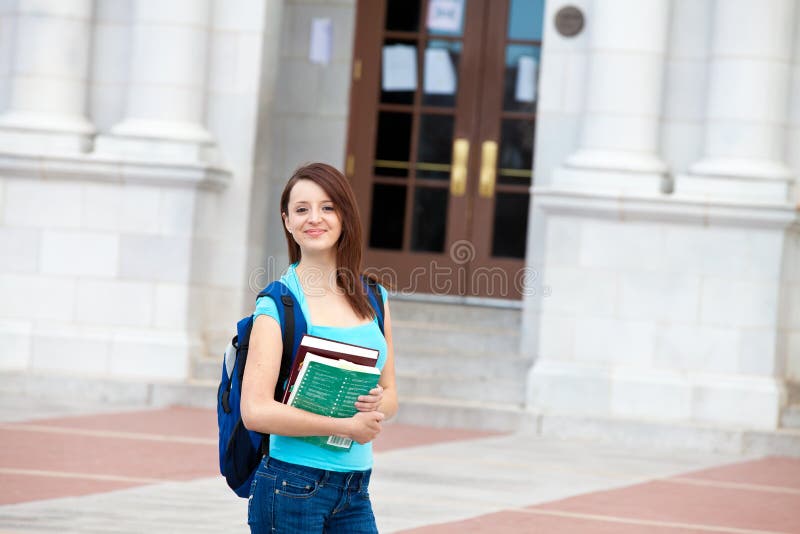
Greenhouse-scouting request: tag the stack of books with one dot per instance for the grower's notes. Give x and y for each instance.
(326, 378)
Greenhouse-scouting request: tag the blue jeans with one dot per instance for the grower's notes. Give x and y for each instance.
(294, 499)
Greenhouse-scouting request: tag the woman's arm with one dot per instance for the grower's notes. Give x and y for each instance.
(383, 399)
(262, 413)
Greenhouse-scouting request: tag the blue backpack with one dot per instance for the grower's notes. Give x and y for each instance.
(240, 449)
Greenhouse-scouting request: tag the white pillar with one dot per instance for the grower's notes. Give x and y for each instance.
(793, 137)
(48, 85)
(165, 107)
(627, 54)
(747, 103)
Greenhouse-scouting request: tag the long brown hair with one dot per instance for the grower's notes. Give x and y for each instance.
(349, 246)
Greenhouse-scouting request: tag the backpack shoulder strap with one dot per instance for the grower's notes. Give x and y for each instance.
(293, 326)
(375, 299)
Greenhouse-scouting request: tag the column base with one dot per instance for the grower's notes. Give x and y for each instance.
(31, 132)
(737, 179)
(571, 388)
(600, 180)
(616, 160)
(159, 141)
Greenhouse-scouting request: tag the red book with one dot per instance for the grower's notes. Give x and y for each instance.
(327, 348)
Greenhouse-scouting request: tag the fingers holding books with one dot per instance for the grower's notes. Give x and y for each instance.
(371, 402)
(365, 426)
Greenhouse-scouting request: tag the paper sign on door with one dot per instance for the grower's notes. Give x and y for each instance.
(525, 90)
(399, 68)
(440, 76)
(445, 15)
(319, 49)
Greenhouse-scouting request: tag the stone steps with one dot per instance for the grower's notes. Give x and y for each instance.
(790, 418)
(418, 360)
(483, 390)
(449, 337)
(450, 413)
(455, 314)
(454, 363)
(450, 358)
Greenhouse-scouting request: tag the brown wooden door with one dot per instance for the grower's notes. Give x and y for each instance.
(440, 141)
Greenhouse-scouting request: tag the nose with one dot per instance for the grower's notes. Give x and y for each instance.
(315, 215)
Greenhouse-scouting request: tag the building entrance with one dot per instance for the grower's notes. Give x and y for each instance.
(440, 140)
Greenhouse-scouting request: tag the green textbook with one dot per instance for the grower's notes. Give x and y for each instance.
(331, 387)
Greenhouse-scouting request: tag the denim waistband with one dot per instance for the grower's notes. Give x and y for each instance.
(341, 479)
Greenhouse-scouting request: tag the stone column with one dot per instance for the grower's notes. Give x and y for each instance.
(627, 54)
(165, 107)
(47, 100)
(793, 137)
(747, 103)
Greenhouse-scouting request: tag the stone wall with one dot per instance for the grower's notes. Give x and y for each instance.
(128, 256)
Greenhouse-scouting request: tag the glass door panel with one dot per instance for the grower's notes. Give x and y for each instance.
(435, 150)
(388, 216)
(516, 152)
(402, 15)
(440, 78)
(525, 20)
(445, 17)
(430, 219)
(393, 144)
(398, 71)
(521, 77)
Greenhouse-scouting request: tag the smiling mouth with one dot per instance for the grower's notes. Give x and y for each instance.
(315, 233)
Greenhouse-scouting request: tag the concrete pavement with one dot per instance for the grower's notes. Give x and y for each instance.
(73, 467)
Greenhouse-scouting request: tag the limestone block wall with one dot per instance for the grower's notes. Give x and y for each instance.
(130, 257)
(789, 330)
(667, 231)
(95, 278)
(668, 321)
(308, 117)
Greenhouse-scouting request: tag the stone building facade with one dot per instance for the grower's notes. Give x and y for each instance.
(144, 144)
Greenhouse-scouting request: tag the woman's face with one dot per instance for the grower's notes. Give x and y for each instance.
(312, 218)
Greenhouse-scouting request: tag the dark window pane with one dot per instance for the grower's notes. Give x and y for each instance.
(400, 78)
(525, 19)
(430, 219)
(402, 15)
(388, 214)
(440, 81)
(393, 144)
(510, 225)
(520, 91)
(446, 18)
(435, 146)
(516, 152)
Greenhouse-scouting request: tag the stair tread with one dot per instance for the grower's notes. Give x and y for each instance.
(462, 403)
(454, 327)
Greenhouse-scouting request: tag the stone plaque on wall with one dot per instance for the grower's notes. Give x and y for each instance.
(569, 21)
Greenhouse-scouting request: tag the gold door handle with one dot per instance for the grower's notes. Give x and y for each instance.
(458, 174)
(488, 169)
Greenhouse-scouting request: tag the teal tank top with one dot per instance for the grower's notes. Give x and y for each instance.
(298, 451)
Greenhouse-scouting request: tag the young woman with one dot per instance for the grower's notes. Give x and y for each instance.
(300, 487)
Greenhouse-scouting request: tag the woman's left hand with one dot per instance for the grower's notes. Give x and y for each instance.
(371, 402)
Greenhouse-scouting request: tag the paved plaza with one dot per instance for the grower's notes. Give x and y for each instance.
(131, 469)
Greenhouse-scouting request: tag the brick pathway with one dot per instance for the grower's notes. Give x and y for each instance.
(155, 470)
